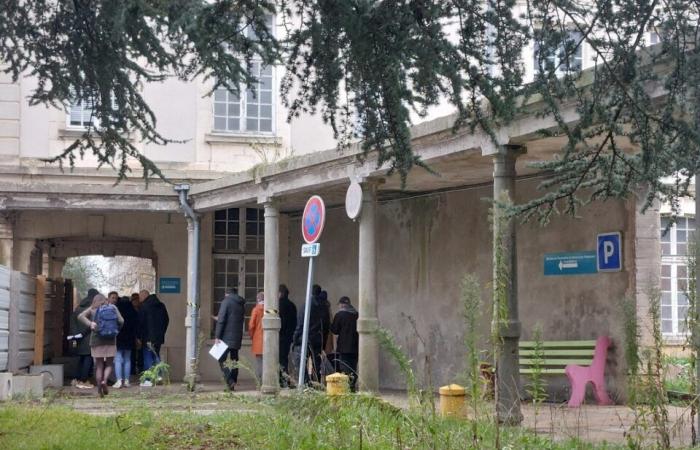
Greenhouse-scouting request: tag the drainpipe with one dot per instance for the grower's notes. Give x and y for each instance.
(192, 318)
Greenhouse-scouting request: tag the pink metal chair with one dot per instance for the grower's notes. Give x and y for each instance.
(579, 376)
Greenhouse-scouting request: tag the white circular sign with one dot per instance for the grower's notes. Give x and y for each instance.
(353, 200)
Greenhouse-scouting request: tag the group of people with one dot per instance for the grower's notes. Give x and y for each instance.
(342, 356)
(116, 333)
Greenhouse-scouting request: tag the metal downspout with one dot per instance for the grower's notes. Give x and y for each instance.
(193, 281)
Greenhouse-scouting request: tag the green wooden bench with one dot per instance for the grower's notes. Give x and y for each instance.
(556, 355)
(582, 362)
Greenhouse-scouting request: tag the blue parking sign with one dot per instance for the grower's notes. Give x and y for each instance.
(610, 252)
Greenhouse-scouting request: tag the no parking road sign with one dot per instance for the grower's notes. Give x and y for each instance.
(312, 222)
(313, 219)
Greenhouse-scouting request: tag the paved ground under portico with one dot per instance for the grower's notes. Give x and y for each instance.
(589, 423)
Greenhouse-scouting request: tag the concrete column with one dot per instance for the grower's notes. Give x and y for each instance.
(7, 225)
(271, 320)
(192, 317)
(508, 371)
(367, 322)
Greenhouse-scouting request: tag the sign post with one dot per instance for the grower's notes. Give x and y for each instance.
(312, 223)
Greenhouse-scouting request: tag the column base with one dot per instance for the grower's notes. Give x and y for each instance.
(269, 390)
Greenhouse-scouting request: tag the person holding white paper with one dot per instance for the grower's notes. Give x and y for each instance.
(229, 330)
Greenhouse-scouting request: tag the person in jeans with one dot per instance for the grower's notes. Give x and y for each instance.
(81, 346)
(153, 323)
(126, 340)
(229, 330)
(103, 349)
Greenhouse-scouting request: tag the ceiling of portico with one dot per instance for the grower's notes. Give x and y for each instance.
(449, 172)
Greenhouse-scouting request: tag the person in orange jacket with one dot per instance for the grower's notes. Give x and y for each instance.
(255, 331)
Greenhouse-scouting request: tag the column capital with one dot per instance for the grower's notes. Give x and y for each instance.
(504, 160)
(268, 200)
(370, 182)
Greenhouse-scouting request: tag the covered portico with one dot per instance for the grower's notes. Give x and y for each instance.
(370, 258)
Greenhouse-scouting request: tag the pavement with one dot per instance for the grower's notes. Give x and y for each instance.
(590, 423)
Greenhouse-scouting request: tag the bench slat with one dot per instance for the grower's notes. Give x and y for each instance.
(563, 353)
(556, 362)
(558, 344)
(543, 371)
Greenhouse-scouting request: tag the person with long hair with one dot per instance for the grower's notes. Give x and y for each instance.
(104, 320)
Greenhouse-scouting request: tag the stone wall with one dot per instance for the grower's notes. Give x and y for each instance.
(427, 244)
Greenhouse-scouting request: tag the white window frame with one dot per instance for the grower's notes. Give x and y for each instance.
(241, 254)
(242, 286)
(675, 260)
(83, 121)
(243, 102)
(561, 68)
(80, 105)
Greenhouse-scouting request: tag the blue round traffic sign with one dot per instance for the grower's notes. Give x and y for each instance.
(313, 220)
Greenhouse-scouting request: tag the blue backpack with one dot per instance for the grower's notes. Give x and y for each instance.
(106, 320)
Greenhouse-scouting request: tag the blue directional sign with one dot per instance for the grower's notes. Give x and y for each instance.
(169, 285)
(572, 263)
(610, 252)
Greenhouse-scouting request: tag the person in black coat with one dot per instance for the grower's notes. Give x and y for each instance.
(345, 327)
(81, 345)
(229, 329)
(126, 341)
(319, 325)
(153, 324)
(288, 318)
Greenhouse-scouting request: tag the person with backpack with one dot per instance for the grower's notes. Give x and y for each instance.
(105, 321)
(126, 340)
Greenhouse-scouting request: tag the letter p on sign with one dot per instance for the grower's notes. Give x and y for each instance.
(610, 252)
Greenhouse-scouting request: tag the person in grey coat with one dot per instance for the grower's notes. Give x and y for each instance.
(229, 329)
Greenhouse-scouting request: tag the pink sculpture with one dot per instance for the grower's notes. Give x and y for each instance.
(579, 376)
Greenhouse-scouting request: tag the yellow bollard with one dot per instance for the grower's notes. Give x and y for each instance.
(337, 384)
(452, 400)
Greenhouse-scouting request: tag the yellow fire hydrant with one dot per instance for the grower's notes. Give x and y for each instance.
(337, 384)
(452, 400)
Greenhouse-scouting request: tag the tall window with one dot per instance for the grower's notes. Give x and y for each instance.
(674, 274)
(239, 242)
(559, 60)
(250, 112)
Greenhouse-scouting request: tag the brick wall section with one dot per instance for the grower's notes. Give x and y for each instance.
(9, 115)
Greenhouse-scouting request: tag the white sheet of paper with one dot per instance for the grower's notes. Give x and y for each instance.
(218, 349)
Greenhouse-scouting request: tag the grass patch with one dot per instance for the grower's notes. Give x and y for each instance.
(307, 421)
(681, 380)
